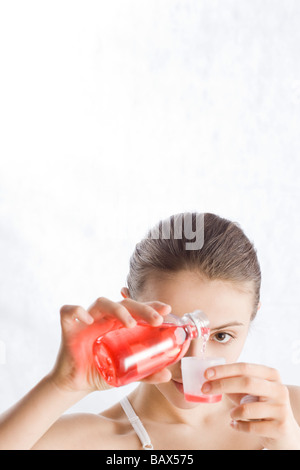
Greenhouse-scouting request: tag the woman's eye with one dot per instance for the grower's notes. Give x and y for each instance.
(222, 337)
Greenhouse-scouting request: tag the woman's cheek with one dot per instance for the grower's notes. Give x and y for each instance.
(230, 352)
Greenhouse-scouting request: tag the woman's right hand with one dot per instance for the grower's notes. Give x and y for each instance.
(74, 369)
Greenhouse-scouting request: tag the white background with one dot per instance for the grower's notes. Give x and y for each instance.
(116, 114)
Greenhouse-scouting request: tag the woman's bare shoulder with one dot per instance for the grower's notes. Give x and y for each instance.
(294, 392)
(79, 431)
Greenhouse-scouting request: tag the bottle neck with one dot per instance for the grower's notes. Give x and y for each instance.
(198, 323)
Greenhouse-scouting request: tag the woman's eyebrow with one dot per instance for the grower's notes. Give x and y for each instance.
(234, 323)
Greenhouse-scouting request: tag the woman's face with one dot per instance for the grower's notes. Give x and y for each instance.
(228, 307)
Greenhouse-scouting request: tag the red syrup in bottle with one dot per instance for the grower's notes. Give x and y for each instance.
(128, 355)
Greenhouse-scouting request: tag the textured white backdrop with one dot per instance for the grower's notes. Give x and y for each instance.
(116, 114)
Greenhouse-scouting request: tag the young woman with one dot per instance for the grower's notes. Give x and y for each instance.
(223, 279)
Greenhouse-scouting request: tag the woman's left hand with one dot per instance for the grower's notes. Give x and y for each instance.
(271, 417)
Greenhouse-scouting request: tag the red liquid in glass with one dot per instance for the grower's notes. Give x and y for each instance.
(203, 399)
(130, 354)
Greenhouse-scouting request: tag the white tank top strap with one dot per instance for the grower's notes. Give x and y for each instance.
(136, 424)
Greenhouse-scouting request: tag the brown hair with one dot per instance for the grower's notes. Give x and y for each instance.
(227, 254)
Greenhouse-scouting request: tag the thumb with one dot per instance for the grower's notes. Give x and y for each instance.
(163, 375)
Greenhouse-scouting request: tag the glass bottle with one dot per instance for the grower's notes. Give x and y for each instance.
(128, 355)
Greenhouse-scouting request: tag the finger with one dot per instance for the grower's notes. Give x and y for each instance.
(161, 376)
(104, 307)
(262, 428)
(151, 312)
(70, 314)
(246, 385)
(256, 411)
(160, 307)
(242, 368)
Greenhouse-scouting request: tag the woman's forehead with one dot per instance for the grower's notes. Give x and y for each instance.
(186, 291)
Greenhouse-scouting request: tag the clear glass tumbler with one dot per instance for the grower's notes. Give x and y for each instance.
(193, 369)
